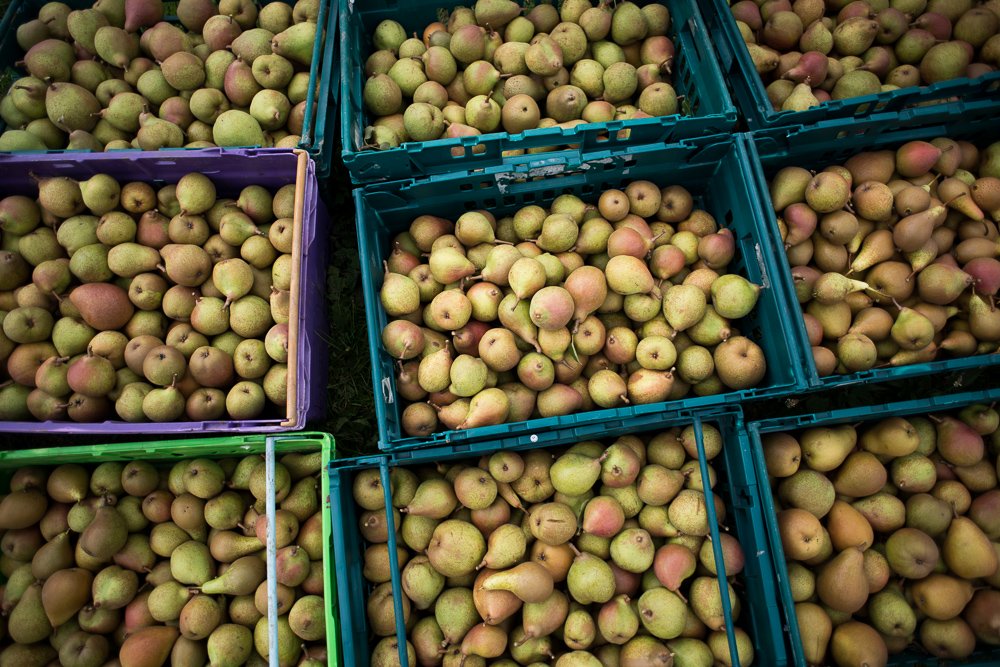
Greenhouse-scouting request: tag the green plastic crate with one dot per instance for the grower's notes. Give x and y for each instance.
(170, 451)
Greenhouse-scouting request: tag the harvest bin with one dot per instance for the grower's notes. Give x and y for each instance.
(717, 175)
(833, 143)
(697, 77)
(961, 95)
(737, 487)
(230, 171)
(750, 441)
(168, 452)
(320, 102)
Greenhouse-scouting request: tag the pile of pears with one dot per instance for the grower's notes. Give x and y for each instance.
(497, 67)
(625, 299)
(121, 301)
(894, 253)
(812, 51)
(118, 76)
(140, 565)
(589, 555)
(892, 534)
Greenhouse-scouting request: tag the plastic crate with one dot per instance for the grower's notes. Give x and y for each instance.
(751, 95)
(697, 77)
(320, 99)
(717, 176)
(230, 170)
(833, 143)
(750, 441)
(171, 451)
(737, 486)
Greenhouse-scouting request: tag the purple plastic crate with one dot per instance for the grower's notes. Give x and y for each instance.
(230, 170)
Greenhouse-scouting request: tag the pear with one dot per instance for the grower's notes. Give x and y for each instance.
(815, 629)
(574, 474)
(957, 442)
(529, 581)
(105, 535)
(841, 584)
(456, 548)
(854, 642)
(151, 645)
(824, 449)
(590, 579)
(456, 614)
(967, 551)
(28, 622)
(64, 593)
(940, 596)
(893, 437)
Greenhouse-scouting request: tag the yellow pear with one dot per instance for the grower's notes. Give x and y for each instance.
(941, 597)
(842, 584)
(824, 449)
(815, 629)
(848, 527)
(856, 643)
(801, 534)
(967, 551)
(892, 437)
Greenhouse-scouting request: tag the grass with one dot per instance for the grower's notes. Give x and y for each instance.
(350, 399)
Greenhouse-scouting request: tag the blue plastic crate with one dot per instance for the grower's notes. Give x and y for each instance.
(833, 143)
(697, 77)
(737, 486)
(320, 99)
(751, 96)
(717, 175)
(750, 441)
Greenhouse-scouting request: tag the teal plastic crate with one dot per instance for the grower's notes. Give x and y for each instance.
(168, 452)
(707, 104)
(760, 615)
(833, 143)
(717, 175)
(320, 99)
(962, 95)
(750, 441)
(353, 590)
